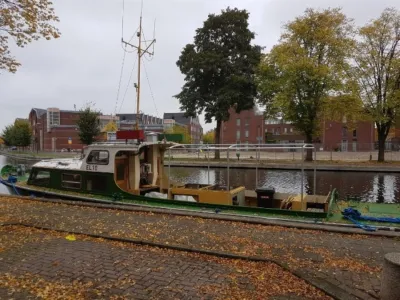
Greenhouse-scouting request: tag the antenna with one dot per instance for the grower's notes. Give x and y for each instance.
(140, 52)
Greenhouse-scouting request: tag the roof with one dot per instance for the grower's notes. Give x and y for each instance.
(65, 164)
(179, 117)
(147, 119)
(21, 119)
(39, 111)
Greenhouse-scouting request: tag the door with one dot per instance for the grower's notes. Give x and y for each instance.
(121, 173)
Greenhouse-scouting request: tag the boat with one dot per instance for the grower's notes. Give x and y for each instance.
(133, 169)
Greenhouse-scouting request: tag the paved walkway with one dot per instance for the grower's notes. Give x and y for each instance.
(38, 264)
(349, 263)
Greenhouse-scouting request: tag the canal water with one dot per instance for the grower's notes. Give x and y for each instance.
(366, 186)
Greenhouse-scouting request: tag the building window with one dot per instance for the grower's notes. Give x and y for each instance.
(53, 117)
(96, 183)
(354, 133)
(285, 130)
(40, 177)
(247, 122)
(237, 122)
(344, 132)
(98, 157)
(246, 133)
(238, 134)
(71, 181)
(291, 130)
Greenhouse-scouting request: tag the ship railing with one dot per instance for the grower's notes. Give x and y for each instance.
(257, 147)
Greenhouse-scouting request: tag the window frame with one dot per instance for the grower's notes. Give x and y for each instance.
(35, 174)
(69, 181)
(98, 163)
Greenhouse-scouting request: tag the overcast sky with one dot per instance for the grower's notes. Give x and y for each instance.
(84, 64)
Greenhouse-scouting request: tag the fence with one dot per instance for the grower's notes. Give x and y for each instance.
(337, 152)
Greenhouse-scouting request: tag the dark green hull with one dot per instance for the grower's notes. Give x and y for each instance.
(110, 191)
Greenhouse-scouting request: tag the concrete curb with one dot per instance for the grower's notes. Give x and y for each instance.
(333, 291)
(220, 217)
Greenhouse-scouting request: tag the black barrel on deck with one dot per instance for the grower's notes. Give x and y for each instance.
(265, 197)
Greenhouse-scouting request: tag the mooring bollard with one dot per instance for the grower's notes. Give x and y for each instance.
(390, 288)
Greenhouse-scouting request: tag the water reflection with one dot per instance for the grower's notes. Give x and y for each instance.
(368, 186)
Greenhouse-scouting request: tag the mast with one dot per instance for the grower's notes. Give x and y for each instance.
(138, 79)
(140, 53)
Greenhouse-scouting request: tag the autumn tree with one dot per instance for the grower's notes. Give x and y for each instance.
(88, 125)
(209, 137)
(180, 129)
(377, 71)
(307, 69)
(24, 21)
(219, 68)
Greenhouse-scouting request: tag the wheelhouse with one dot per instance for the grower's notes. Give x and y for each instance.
(107, 168)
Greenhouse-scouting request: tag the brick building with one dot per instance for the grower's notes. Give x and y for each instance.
(52, 128)
(193, 124)
(243, 128)
(247, 127)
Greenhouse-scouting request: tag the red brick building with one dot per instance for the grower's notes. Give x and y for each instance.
(248, 128)
(52, 128)
(243, 128)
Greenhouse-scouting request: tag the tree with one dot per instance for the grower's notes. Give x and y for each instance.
(377, 71)
(24, 21)
(219, 68)
(23, 133)
(9, 135)
(306, 69)
(110, 127)
(88, 125)
(19, 134)
(183, 130)
(209, 137)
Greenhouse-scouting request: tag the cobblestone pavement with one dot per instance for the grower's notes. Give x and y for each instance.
(348, 262)
(36, 264)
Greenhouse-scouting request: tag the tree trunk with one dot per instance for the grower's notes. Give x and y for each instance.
(381, 148)
(309, 152)
(217, 139)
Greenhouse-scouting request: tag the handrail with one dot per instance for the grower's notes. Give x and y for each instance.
(257, 148)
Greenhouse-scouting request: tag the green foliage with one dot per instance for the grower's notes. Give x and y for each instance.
(19, 134)
(377, 72)
(219, 67)
(183, 130)
(89, 125)
(209, 137)
(307, 69)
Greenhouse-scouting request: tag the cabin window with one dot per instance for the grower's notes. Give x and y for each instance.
(71, 181)
(98, 157)
(40, 177)
(96, 183)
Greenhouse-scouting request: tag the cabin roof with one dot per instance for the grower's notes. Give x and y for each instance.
(65, 164)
